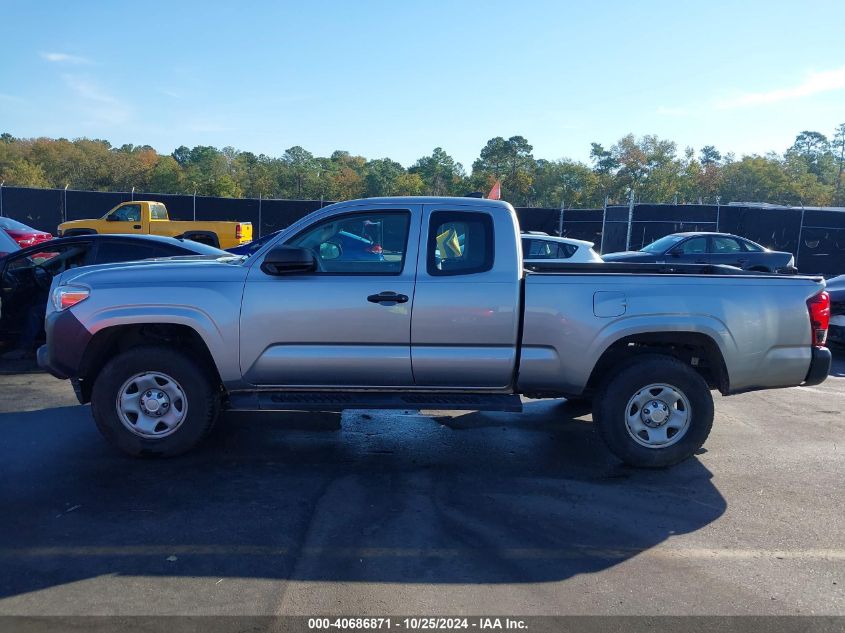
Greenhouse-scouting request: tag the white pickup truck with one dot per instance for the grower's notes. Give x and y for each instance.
(421, 303)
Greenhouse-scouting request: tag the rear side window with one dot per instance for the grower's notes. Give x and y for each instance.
(459, 243)
(722, 245)
(538, 249)
(546, 249)
(158, 212)
(751, 246)
(565, 251)
(113, 251)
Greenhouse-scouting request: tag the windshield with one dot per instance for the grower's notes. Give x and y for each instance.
(662, 245)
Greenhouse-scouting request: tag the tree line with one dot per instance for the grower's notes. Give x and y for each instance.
(809, 173)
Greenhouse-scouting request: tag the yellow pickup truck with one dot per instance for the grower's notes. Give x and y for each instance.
(141, 217)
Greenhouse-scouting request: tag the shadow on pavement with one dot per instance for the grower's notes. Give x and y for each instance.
(385, 497)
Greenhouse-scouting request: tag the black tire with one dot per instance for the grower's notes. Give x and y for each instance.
(200, 390)
(613, 397)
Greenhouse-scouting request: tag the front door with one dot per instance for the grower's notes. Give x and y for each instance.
(125, 219)
(727, 250)
(691, 251)
(347, 324)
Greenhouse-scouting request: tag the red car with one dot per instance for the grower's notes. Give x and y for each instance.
(24, 235)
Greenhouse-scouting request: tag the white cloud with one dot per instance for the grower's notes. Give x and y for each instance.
(64, 58)
(99, 104)
(815, 83)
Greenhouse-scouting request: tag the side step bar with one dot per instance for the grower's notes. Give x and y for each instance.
(328, 401)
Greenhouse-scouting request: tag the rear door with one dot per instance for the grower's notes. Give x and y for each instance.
(466, 307)
(727, 251)
(346, 325)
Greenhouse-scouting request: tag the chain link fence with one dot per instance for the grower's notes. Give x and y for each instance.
(816, 236)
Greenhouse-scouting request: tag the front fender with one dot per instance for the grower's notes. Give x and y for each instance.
(222, 347)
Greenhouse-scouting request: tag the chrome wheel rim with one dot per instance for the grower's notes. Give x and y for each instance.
(152, 405)
(658, 416)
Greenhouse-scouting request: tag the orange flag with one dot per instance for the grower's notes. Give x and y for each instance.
(496, 191)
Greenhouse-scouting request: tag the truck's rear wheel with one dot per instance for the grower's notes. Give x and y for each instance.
(155, 401)
(654, 412)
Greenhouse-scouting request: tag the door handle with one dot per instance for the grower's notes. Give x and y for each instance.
(136, 226)
(700, 261)
(387, 297)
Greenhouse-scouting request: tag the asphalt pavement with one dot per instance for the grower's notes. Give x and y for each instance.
(438, 513)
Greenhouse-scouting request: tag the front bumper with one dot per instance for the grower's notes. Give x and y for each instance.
(819, 366)
(67, 340)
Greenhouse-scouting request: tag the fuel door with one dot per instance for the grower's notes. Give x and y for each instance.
(609, 303)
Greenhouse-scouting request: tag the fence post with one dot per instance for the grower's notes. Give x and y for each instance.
(718, 209)
(64, 205)
(603, 225)
(560, 219)
(132, 195)
(195, 205)
(800, 236)
(1, 198)
(259, 215)
(630, 220)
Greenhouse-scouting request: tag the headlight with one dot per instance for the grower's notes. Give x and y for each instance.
(65, 297)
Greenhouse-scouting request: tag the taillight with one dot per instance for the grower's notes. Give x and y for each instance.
(819, 308)
(375, 249)
(238, 231)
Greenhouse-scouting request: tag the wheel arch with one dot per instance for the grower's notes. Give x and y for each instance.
(110, 341)
(697, 349)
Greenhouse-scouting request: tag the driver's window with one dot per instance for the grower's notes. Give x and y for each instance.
(54, 260)
(359, 243)
(694, 246)
(129, 213)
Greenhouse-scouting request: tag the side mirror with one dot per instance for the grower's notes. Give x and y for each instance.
(289, 260)
(111, 218)
(675, 253)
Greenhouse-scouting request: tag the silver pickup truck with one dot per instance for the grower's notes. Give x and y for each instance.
(423, 303)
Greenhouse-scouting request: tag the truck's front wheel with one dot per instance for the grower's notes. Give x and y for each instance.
(655, 412)
(154, 401)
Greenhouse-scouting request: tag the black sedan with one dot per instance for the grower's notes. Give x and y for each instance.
(26, 275)
(709, 248)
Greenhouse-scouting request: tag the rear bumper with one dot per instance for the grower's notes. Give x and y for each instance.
(819, 366)
(67, 339)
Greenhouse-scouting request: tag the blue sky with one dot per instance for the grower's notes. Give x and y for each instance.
(390, 78)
